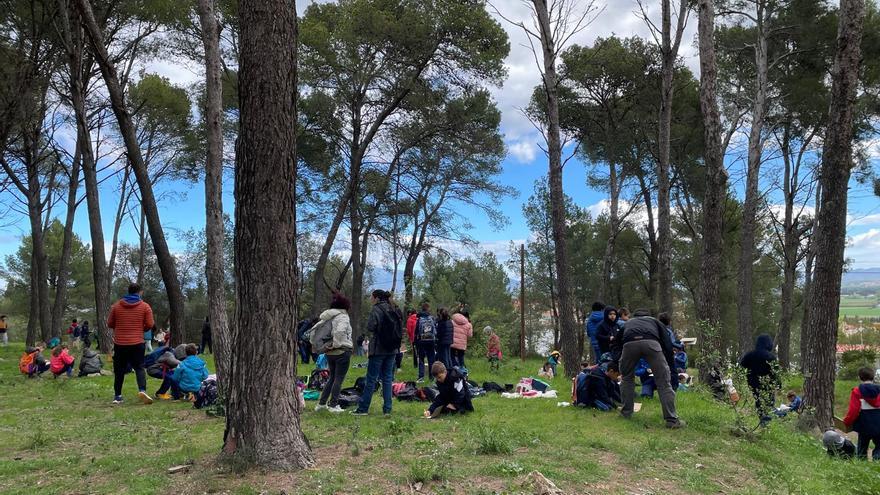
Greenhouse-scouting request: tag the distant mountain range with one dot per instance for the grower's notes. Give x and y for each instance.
(862, 277)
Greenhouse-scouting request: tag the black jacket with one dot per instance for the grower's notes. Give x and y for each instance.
(90, 363)
(206, 330)
(444, 332)
(602, 388)
(642, 328)
(760, 363)
(453, 390)
(382, 318)
(605, 332)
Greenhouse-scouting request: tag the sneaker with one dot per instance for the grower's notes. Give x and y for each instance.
(358, 413)
(321, 407)
(420, 380)
(117, 400)
(677, 425)
(387, 415)
(165, 396)
(146, 399)
(335, 409)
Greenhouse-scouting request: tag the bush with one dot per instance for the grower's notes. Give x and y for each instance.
(851, 361)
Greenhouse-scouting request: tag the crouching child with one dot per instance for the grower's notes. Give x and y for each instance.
(32, 362)
(90, 364)
(61, 362)
(189, 374)
(838, 445)
(454, 395)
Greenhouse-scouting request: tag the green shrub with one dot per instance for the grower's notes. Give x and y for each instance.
(491, 441)
(851, 361)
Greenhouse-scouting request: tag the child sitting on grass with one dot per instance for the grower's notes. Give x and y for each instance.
(90, 364)
(189, 374)
(546, 372)
(863, 415)
(61, 361)
(794, 404)
(453, 397)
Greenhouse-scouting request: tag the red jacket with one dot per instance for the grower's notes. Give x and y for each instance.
(863, 415)
(411, 327)
(57, 363)
(129, 320)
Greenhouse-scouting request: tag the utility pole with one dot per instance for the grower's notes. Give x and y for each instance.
(522, 302)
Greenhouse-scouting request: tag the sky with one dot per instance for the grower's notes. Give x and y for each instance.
(183, 206)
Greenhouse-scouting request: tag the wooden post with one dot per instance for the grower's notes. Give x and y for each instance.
(522, 302)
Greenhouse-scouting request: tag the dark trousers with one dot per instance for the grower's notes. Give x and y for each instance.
(68, 368)
(426, 352)
(398, 360)
(862, 448)
(444, 355)
(338, 367)
(206, 344)
(458, 358)
(166, 385)
(304, 353)
(653, 354)
(123, 357)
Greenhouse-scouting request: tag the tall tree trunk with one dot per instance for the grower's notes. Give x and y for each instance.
(33, 307)
(653, 248)
(664, 256)
(148, 199)
(124, 195)
(613, 219)
(214, 229)
(750, 206)
(38, 245)
(806, 339)
(357, 272)
(830, 238)
(142, 249)
(790, 241)
(66, 244)
(569, 330)
(265, 242)
(711, 261)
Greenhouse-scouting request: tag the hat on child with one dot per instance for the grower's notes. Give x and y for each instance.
(833, 439)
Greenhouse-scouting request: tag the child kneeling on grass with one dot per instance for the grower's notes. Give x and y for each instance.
(189, 374)
(453, 397)
(90, 364)
(61, 361)
(32, 362)
(863, 415)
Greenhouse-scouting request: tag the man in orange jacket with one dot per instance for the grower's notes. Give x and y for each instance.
(128, 319)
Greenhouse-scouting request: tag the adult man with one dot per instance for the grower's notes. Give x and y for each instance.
(128, 319)
(386, 325)
(645, 337)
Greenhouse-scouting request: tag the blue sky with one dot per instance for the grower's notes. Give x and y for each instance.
(524, 164)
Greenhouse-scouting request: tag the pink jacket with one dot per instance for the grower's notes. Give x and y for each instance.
(57, 363)
(461, 331)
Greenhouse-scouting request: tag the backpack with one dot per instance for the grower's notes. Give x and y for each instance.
(318, 379)
(26, 363)
(207, 394)
(579, 390)
(492, 387)
(321, 336)
(427, 329)
(390, 331)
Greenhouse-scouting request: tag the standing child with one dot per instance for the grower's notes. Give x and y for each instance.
(553, 360)
(4, 337)
(493, 348)
(73, 331)
(61, 361)
(863, 415)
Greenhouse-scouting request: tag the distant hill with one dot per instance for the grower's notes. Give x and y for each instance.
(861, 278)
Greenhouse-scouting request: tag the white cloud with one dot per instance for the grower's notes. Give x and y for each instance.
(863, 249)
(524, 151)
(862, 221)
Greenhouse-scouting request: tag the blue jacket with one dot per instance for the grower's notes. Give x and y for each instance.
(681, 360)
(190, 373)
(642, 369)
(593, 324)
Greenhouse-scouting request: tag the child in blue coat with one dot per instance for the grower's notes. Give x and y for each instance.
(189, 374)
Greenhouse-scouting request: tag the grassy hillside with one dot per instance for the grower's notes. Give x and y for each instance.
(64, 436)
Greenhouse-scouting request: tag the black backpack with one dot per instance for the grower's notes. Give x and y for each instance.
(390, 330)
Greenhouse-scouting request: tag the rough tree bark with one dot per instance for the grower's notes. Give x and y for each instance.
(568, 326)
(613, 220)
(214, 231)
(806, 339)
(66, 244)
(148, 200)
(753, 197)
(709, 306)
(669, 53)
(830, 237)
(265, 242)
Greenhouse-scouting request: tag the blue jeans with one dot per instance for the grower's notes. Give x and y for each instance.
(444, 355)
(378, 368)
(425, 352)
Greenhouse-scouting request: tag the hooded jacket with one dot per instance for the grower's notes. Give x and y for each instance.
(382, 315)
(411, 322)
(190, 373)
(759, 362)
(462, 330)
(606, 330)
(57, 363)
(493, 345)
(444, 332)
(90, 363)
(642, 328)
(863, 415)
(593, 323)
(341, 330)
(129, 318)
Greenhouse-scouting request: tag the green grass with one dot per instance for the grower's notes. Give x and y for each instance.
(859, 311)
(64, 436)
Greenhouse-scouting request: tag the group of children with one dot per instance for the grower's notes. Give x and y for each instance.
(34, 363)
